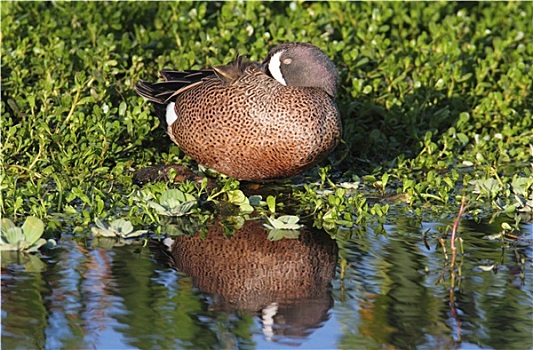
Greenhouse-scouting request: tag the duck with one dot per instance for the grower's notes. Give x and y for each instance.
(253, 121)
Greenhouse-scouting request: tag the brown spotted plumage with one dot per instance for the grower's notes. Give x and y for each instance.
(248, 271)
(253, 121)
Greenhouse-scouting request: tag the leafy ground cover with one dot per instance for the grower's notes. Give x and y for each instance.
(435, 98)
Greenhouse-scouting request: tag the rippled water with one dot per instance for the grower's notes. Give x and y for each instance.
(397, 290)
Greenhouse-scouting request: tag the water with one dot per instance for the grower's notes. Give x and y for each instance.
(248, 292)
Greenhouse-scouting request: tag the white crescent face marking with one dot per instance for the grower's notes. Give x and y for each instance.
(171, 115)
(274, 66)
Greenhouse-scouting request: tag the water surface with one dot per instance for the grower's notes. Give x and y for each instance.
(398, 290)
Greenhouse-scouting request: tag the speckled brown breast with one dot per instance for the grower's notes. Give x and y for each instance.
(255, 128)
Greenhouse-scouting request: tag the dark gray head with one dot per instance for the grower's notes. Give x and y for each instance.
(302, 64)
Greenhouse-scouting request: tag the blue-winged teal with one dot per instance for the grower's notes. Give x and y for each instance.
(249, 120)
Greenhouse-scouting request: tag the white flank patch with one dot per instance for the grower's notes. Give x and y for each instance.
(274, 66)
(168, 242)
(171, 114)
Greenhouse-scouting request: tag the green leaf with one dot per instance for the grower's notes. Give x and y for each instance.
(462, 138)
(271, 203)
(100, 224)
(289, 219)
(102, 232)
(33, 229)
(8, 247)
(117, 228)
(13, 235)
(135, 234)
(174, 202)
(237, 197)
(285, 222)
(185, 208)
(7, 224)
(35, 247)
(121, 226)
(277, 234)
(159, 208)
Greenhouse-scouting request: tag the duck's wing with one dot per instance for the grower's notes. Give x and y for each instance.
(176, 82)
(230, 73)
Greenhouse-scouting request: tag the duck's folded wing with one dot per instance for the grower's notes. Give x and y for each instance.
(174, 83)
(189, 75)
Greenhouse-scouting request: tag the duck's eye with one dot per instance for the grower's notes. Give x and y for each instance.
(287, 61)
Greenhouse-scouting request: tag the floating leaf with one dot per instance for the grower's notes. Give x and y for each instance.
(33, 229)
(159, 208)
(123, 227)
(7, 224)
(174, 202)
(117, 228)
(284, 222)
(494, 237)
(31, 263)
(350, 185)
(13, 235)
(35, 247)
(25, 239)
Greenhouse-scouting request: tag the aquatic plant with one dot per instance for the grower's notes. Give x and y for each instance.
(174, 203)
(117, 228)
(26, 238)
(238, 198)
(285, 226)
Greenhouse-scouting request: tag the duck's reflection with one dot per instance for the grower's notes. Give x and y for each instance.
(286, 282)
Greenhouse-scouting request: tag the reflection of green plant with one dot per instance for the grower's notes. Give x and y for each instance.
(184, 225)
(111, 242)
(286, 226)
(30, 262)
(174, 203)
(26, 238)
(231, 224)
(117, 228)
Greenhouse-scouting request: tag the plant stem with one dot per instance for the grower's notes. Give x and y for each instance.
(455, 226)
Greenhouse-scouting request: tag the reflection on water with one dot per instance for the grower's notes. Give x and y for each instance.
(285, 282)
(403, 294)
(248, 292)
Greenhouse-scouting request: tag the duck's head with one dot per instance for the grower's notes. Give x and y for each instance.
(302, 64)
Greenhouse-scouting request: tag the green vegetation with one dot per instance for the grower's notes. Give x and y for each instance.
(436, 104)
(26, 238)
(174, 203)
(117, 228)
(286, 226)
